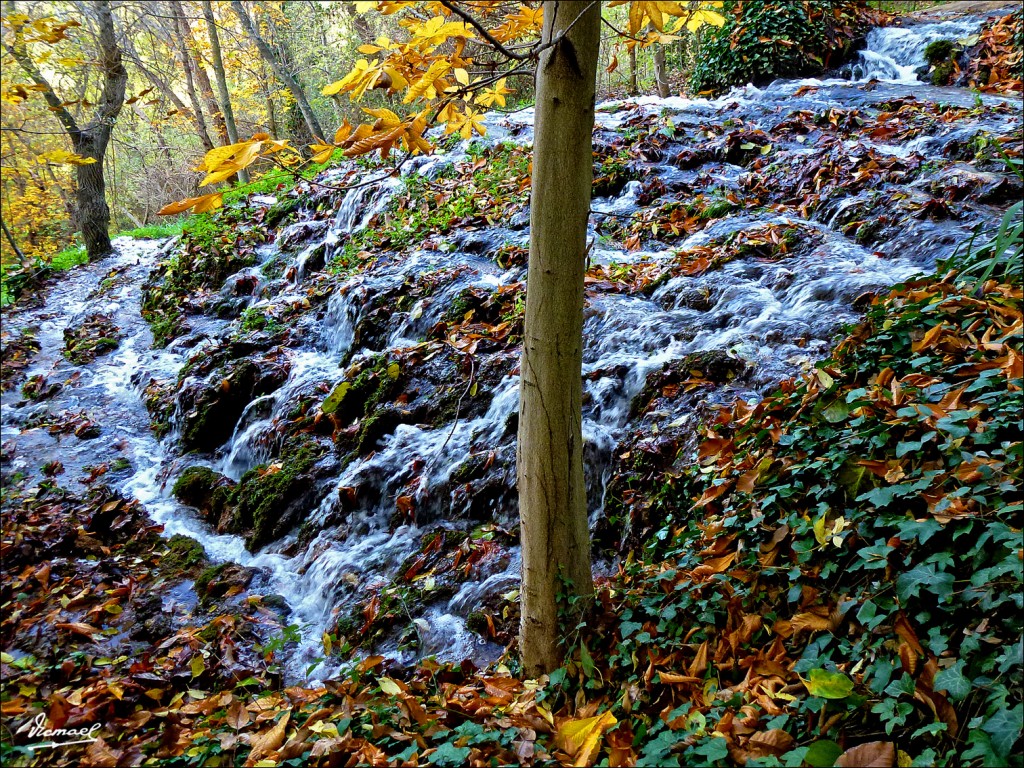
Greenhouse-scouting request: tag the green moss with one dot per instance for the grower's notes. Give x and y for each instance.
(477, 622)
(183, 554)
(194, 483)
(208, 576)
(68, 258)
(942, 73)
(939, 51)
(261, 495)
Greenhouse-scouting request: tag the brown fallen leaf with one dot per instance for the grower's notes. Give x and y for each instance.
(268, 741)
(873, 754)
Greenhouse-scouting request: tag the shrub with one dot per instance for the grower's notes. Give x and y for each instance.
(765, 39)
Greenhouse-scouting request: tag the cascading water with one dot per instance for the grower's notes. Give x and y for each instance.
(776, 316)
(897, 53)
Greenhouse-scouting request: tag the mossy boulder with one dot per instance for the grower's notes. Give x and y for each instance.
(220, 580)
(270, 499)
(208, 491)
(96, 335)
(184, 555)
(939, 51)
(210, 409)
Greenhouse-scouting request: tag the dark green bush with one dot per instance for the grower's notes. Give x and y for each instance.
(765, 39)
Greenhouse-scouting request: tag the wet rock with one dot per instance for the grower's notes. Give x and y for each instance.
(208, 491)
(226, 579)
(37, 388)
(713, 367)
(16, 353)
(94, 336)
(184, 556)
(271, 499)
(210, 409)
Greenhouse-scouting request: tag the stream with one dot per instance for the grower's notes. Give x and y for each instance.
(775, 316)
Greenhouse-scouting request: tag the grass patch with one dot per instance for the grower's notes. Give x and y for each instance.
(69, 258)
(155, 231)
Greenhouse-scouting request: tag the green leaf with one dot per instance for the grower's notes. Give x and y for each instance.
(837, 411)
(627, 628)
(586, 660)
(335, 399)
(953, 681)
(1004, 728)
(823, 754)
(449, 754)
(828, 685)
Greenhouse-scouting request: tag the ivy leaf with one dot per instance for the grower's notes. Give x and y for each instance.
(909, 584)
(828, 685)
(1004, 728)
(449, 754)
(953, 682)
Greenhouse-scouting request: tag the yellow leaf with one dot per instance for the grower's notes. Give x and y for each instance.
(462, 75)
(208, 203)
(63, 157)
(389, 686)
(424, 87)
(581, 739)
(321, 152)
(702, 17)
(368, 48)
(333, 88)
(388, 118)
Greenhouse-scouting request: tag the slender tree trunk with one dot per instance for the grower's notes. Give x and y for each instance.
(202, 79)
(185, 61)
(222, 81)
(552, 497)
(660, 71)
(10, 239)
(280, 71)
(634, 87)
(221, 77)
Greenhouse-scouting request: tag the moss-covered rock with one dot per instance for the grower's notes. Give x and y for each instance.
(208, 491)
(96, 335)
(184, 555)
(711, 367)
(219, 580)
(269, 499)
(939, 51)
(210, 409)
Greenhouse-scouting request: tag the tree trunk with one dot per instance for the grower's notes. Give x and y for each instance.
(634, 87)
(222, 82)
(282, 74)
(552, 497)
(660, 71)
(202, 79)
(187, 65)
(93, 214)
